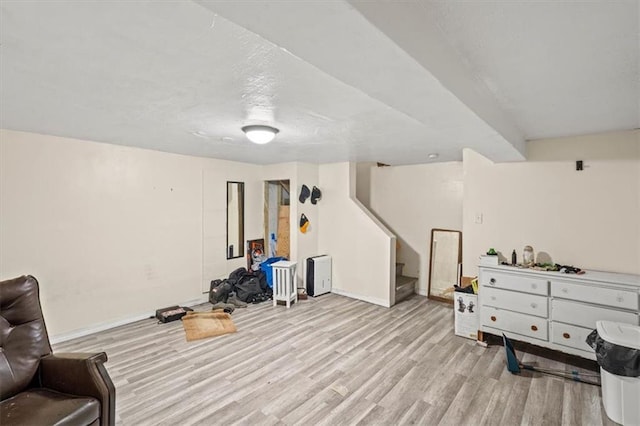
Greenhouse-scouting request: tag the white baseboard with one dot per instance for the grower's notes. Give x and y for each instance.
(63, 337)
(367, 299)
(422, 292)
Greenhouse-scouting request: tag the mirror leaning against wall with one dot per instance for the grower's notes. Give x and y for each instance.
(235, 219)
(445, 265)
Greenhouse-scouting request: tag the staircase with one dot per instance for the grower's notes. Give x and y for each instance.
(405, 286)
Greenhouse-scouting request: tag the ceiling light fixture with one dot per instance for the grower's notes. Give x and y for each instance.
(432, 156)
(260, 134)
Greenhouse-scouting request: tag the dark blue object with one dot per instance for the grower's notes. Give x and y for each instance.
(512, 361)
(514, 366)
(266, 268)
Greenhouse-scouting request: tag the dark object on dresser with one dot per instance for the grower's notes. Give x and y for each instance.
(36, 386)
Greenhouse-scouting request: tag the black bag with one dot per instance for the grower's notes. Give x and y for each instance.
(219, 291)
(238, 274)
(616, 359)
(262, 277)
(172, 313)
(248, 288)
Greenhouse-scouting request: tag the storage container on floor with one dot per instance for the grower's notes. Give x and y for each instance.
(266, 268)
(618, 354)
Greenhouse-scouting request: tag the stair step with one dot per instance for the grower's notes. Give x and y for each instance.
(399, 268)
(405, 287)
(402, 281)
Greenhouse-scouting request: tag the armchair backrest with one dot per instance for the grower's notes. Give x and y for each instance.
(23, 334)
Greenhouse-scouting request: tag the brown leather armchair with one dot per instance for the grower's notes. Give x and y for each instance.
(37, 387)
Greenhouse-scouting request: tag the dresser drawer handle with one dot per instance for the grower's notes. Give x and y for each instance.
(493, 298)
(534, 305)
(566, 335)
(534, 328)
(534, 286)
(565, 290)
(620, 299)
(493, 318)
(492, 281)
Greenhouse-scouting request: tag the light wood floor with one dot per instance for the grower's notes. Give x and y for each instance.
(330, 361)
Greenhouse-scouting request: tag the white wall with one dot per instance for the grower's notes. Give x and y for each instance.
(363, 182)
(412, 200)
(306, 174)
(272, 227)
(114, 232)
(111, 232)
(363, 251)
(606, 146)
(302, 245)
(589, 219)
(215, 174)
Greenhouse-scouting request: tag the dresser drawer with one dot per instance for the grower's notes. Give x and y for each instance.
(523, 283)
(570, 335)
(515, 301)
(586, 315)
(599, 295)
(526, 325)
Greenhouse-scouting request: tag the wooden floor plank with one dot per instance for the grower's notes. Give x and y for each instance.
(330, 360)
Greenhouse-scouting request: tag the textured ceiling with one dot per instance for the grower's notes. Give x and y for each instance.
(343, 81)
(557, 67)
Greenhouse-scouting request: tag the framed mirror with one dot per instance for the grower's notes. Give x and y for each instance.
(235, 220)
(445, 264)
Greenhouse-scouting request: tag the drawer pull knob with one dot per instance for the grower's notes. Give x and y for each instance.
(566, 335)
(564, 290)
(534, 305)
(493, 298)
(534, 328)
(493, 318)
(620, 298)
(492, 281)
(534, 286)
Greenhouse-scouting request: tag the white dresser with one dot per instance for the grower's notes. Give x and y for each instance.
(552, 309)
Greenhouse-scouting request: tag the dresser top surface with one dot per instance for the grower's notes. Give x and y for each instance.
(593, 276)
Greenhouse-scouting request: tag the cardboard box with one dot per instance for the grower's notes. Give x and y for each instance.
(466, 320)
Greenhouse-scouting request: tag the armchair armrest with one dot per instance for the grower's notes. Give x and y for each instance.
(81, 374)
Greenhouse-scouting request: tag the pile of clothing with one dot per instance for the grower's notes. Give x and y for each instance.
(242, 287)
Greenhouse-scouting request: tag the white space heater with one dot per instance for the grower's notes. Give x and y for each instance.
(318, 277)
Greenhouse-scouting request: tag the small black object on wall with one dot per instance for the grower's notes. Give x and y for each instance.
(304, 194)
(315, 195)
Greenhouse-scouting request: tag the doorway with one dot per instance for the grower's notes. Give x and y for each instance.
(277, 201)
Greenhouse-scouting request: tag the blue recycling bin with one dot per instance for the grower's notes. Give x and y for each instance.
(266, 268)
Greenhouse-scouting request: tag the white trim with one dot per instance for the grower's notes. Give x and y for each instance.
(422, 292)
(374, 300)
(63, 337)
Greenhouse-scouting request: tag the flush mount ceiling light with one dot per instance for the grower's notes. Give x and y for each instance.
(433, 156)
(260, 134)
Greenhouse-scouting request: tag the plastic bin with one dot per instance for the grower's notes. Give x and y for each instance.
(266, 268)
(617, 349)
(466, 320)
